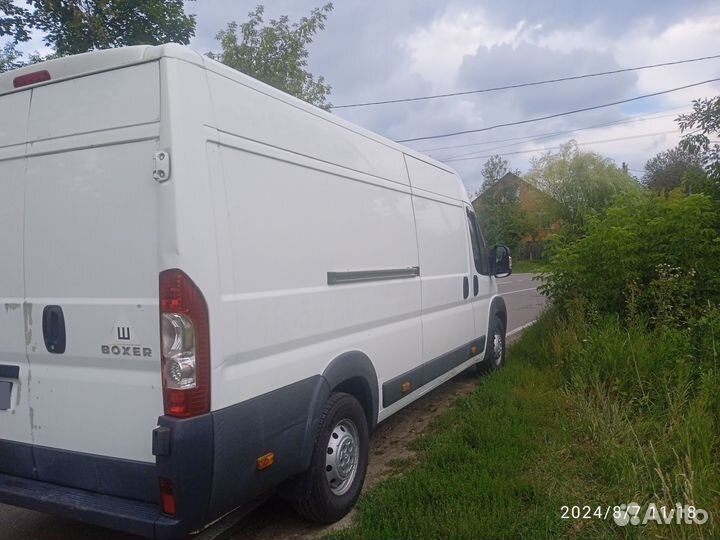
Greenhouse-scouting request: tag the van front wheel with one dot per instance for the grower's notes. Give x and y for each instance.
(339, 461)
(495, 349)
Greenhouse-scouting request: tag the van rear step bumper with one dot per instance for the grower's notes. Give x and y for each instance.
(126, 515)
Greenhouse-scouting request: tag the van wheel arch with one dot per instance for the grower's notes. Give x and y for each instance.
(353, 373)
(498, 309)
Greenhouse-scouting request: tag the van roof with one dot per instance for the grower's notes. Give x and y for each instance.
(78, 65)
(68, 67)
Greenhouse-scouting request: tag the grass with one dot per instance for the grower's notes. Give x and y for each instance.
(580, 416)
(528, 267)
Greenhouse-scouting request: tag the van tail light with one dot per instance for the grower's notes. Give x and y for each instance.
(185, 346)
(31, 78)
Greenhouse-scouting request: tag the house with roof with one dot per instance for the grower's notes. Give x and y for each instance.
(523, 213)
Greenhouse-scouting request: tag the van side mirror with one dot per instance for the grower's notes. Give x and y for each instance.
(501, 261)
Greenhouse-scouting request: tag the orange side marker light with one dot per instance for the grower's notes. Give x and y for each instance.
(264, 461)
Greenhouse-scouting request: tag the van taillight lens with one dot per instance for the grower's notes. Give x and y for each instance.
(31, 78)
(185, 345)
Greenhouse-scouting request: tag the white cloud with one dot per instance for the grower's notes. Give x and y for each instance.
(437, 51)
(470, 50)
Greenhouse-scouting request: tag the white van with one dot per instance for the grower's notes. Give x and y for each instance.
(210, 289)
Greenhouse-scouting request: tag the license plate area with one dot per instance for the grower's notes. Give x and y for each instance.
(5, 395)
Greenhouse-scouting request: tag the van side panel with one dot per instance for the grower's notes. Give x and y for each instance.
(434, 180)
(266, 119)
(291, 225)
(340, 196)
(447, 316)
(450, 341)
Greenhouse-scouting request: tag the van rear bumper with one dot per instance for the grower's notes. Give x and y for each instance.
(126, 515)
(210, 460)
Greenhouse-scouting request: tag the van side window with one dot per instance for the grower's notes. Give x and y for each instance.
(478, 245)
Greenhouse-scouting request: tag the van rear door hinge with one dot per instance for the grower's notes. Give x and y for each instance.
(161, 166)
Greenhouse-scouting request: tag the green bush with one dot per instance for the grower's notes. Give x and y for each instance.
(649, 256)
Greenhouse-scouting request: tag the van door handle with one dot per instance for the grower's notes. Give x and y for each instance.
(476, 286)
(53, 325)
(466, 287)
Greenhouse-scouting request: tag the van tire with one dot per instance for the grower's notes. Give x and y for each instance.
(495, 350)
(325, 504)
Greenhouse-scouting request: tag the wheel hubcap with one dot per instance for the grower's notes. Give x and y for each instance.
(497, 349)
(342, 456)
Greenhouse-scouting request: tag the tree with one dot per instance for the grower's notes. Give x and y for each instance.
(665, 171)
(584, 183)
(10, 58)
(503, 221)
(493, 170)
(695, 181)
(13, 19)
(704, 120)
(277, 52)
(76, 26)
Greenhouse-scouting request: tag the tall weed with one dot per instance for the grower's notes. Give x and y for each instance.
(644, 403)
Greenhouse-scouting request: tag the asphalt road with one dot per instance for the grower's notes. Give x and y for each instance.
(275, 520)
(523, 302)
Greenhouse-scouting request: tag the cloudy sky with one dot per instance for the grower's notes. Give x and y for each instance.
(403, 48)
(373, 50)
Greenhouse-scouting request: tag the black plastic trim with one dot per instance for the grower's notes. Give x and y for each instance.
(190, 467)
(133, 517)
(357, 276)
(9, 372)
(17, 459)
(429, 371)
(100, 474)
(161, 441)
(276, 422)
(352, 365)
(111, 476)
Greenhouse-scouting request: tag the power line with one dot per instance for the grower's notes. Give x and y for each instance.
(523, 85)
(627, 120)
(560, 146)
(550, 136)
(542, 136)
(556, 115)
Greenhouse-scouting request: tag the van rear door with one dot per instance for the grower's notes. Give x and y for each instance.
(15, 419)
(91, 264)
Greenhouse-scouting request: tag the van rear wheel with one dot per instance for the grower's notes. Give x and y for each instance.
(339, 461)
